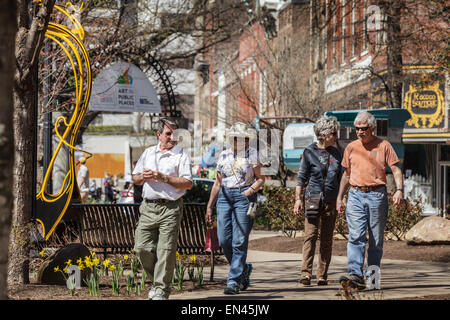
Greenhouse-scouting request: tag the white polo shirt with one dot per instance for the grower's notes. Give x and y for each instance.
(174, 162)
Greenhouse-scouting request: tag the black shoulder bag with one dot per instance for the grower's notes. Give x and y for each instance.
(313, 205)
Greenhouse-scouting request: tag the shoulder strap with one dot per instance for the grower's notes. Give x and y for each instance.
(324, 177)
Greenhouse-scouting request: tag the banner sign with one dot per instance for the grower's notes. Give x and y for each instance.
(123, 87)
(426, 105)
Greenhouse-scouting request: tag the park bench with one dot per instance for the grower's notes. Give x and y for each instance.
(110, 228)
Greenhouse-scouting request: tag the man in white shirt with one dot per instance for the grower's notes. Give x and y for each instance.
(164, 171)
(83, 179)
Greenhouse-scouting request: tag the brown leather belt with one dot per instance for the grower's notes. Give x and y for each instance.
(368, 189)
(159, 201)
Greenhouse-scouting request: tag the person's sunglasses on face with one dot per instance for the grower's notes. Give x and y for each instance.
(361, 128)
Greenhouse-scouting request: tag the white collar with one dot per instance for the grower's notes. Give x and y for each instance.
(173, 150)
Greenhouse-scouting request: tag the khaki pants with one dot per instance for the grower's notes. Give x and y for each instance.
(328, 220)
(84, 196)
(156, 242)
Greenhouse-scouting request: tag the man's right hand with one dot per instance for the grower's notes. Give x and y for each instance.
(298, 206)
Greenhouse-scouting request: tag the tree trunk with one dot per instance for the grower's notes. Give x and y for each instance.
(394, 58)
(8, 28)
(29, 41)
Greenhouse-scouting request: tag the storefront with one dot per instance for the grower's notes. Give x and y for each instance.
(427, 145)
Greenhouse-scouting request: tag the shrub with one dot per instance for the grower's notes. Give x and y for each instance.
(399, 220)
(279, 210)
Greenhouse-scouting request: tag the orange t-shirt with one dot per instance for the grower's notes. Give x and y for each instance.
(366, 164)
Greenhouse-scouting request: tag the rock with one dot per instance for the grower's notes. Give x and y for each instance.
(429, 230)
(73, 251)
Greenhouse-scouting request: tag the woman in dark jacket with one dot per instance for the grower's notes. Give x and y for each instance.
(318, 159)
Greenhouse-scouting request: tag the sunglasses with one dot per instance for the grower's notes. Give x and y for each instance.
(361, 128)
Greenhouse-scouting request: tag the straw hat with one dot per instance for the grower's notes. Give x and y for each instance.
(240, 130)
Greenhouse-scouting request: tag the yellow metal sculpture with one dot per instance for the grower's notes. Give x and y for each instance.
(50, 208)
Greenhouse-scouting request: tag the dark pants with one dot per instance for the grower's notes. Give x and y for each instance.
(327, 220)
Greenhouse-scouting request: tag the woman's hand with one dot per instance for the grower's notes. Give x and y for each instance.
(298, 206)
(208, 215)
(249, 192)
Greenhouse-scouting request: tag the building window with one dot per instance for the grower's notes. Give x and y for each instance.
(333, 38)
(365, 34)
(344, 38)
(382, 128)
(354, 33)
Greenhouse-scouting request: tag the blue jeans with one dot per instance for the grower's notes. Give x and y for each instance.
(365, 210)
(233, 229)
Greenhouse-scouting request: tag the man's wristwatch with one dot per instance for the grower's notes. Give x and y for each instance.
(398, 189)
(166, 178)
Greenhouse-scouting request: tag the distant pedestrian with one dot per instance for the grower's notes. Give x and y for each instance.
(319, 176)
(365, 160)
(137, 189)
(83, 180)
(108, 186)
(238, 179)
(164, 171)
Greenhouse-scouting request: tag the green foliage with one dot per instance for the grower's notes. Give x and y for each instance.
(399, 220)
(198, 194)
(403, 218)
(279, 210)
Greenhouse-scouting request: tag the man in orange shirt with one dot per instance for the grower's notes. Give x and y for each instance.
(365, 160)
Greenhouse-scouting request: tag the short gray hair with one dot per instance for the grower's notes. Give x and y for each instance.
(164, 121)
(364, 116)
(325, 125)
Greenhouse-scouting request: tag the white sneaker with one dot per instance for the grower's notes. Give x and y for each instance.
(151, 294)
(159, 297)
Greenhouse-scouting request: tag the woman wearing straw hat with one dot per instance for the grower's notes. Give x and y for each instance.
(238, 179)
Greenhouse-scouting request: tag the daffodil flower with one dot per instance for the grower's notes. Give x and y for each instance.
(112, 268)
(178, 255)
(96, 262)
(106, 263)
(81, 266)
(79, 261)
(192, 258)
(125, 257)
(56, 269)
(69, 262)
(42, 253)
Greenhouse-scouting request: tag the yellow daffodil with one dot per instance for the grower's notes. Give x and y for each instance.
(92, 253)
(87, 260)
(125, 257)
(65, 269)
(183, 256)
(192, 258)
(79, 261)
(69, 262)
(81, 266)
(96, 262)
(178, 255)
(106, 263)
(56, 269)
(42, 253)
(112, 268)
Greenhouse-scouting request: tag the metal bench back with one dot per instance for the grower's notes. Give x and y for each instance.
(111, 227)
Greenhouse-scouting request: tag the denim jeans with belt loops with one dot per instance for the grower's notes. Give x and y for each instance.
(365, 210)
(233, 229)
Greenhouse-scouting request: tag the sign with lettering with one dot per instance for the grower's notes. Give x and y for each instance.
(426, 105)
(123, 87)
